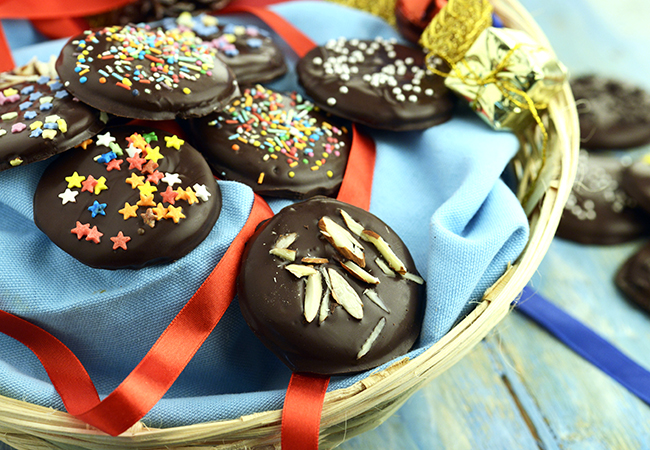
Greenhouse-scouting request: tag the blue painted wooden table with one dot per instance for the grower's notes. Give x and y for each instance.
(520, 388)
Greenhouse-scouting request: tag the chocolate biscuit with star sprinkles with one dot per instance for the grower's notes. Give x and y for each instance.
(39, 119)
(278, 144)
(130, 197)
(248, 50)
(330, 288)
(378, 83)
(145, 73)
(599, 210)
(612, 114)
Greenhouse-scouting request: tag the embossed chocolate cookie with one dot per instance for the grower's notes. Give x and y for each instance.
(612, 113)
(40, 119)
(377, 83)
(598, 210)
(131, 197)
(330, 288)
(248, 50)
(145, 73)
(633, 278)
(278, 144)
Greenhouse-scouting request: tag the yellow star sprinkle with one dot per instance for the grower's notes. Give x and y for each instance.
(74, 180)
(180, 194)
(153, 154)
(146, 200)
(174, 213)
(147, 189)
(135, 180)
(159, 211)
(190, 196)
(129, 211)
(174, 142)
(101, 185)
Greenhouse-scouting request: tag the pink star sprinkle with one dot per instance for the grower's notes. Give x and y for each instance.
(18, 127)
(120, 241)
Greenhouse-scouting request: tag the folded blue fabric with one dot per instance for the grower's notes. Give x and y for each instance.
(439, 189)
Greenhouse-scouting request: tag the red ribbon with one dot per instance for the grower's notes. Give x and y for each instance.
(160, 367)
(302, 409)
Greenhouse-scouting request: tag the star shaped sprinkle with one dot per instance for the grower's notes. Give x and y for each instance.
(68, 196)
(153, 154)
(190, 196)
(137, 141)
(120, 241)
(150, 137)
(160, 211)
(169, 196)
(105, 158)
(149, 218)
(129, 211)
(174, 213)
(94, 235)
(18, 127)
(146, 200)
(89, 184)
(171, 178)
(132, 151)
(114, 164)
(147, 189)
(74, 180)
(181, 194)
(155, 177)
(136, 162)
(105, 139)
(116, 149)
(201, 191)
(150, 167)
(81, 230)
(101, 185)
(174, 142)
(85, 144)
(97, 208)
(135, 181)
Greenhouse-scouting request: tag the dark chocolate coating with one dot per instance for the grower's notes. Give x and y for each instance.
(612, 113)
(636, 182)
(166, 241)
(290, 176)
(598, 210)
(81, 121)
(633, 278)
(271, 298)
(149, 96)
(363, 82)
(248, 50)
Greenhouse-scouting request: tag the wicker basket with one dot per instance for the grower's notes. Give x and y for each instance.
(366, 404)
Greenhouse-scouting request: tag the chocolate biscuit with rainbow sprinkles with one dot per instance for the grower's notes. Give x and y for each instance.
(330, 288)
(378, 83)
(248, 50)
(144, 73)
(131, 197)
(39, 119)
(278, 144)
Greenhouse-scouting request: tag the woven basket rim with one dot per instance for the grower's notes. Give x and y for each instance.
(364, 405)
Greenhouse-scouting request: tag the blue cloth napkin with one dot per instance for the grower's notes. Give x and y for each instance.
(439, 189)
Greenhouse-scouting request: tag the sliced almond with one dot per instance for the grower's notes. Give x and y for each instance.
(342, 240)
(382, 246)
(299, 270)
(352, 224)
(384, 267)
(365, 348)
(310, 260)
(413, 277)
(372, 295)
(284, 253)
(324, 310)
(313, 293)
(345, 295)
(359, 272)
(285, 240)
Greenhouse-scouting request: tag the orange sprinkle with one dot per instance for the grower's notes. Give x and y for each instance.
(153, 58)
(102, 80)
(235, 147)
(120, 84)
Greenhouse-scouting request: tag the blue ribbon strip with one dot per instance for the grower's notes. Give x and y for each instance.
(586, 343)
